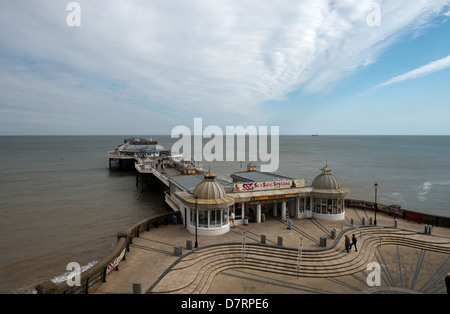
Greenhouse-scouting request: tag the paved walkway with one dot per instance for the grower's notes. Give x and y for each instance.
(404, 269)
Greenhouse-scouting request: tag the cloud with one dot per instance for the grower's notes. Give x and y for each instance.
(170, 59)
(432, 67)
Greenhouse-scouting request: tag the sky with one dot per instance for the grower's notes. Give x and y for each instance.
(143, 67)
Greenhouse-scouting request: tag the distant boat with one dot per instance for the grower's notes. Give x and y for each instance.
(315, 135)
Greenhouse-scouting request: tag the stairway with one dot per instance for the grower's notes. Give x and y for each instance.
(194, 272)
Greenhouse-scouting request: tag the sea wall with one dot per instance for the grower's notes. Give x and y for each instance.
(100, 271)
(397, 211)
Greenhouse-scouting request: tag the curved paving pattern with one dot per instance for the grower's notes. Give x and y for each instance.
(196, 271)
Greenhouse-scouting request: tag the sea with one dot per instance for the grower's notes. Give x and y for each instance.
(60, 202)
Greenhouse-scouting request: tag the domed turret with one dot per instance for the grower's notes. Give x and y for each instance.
(326, 180)
(251, 167)
(209, 189)
(328, 196)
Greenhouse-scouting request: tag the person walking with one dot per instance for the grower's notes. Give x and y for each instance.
(347, 243)
(354, 243)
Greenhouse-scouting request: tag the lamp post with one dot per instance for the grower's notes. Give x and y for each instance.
(376, 205)
(196, 222)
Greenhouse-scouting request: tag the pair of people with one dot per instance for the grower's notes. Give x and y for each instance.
(349, 245)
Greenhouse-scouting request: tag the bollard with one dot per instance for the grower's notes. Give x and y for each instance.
(395, 223)
(363, 221)
(189, 244)
(370, 221)
(426, 229)
(263, 238)
(137, 288)
(429, 229)
(351, 221)
(323, 241)
(333, 233)
(177, 250)
(280, 241)
(289, 224)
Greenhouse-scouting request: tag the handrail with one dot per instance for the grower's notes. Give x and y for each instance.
(299, 257)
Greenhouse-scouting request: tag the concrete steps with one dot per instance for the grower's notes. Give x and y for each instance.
(194, 272)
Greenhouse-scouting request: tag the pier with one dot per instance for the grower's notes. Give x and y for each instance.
(292, 248)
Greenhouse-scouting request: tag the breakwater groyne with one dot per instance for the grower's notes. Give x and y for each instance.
(99, 272)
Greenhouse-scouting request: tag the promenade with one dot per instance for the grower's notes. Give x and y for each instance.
(411, 262)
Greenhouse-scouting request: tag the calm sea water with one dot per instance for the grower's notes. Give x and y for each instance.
(60, 203)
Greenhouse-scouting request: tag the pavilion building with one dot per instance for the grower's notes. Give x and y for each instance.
(207, 201)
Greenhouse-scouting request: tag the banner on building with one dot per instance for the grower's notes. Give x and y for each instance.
(268, 185)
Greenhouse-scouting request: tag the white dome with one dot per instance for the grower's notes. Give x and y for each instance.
(326, 180)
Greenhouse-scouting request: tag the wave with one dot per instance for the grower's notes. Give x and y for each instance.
(67, 275)
(426, 188)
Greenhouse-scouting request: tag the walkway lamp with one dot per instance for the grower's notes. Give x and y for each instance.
(376, 205)
(196, 222)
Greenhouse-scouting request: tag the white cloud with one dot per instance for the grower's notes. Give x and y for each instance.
(432, 67)
(176, 58)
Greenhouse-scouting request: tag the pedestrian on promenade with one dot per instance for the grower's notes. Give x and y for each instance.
(354, 243)
(232, 218)
(347, 243)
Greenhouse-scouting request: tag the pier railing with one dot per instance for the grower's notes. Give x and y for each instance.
(98, 273)
(397, 211)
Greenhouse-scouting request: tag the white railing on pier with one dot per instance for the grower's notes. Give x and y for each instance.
(118, 155)
(171, 202)
(161, 177)
(142, 169)
(299, 256)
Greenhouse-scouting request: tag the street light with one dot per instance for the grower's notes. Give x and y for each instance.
(196, 222)
(376, 205)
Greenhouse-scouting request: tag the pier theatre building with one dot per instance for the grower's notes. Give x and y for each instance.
(214, 204)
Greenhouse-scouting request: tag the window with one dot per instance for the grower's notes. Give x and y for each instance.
(301, 204)
(224, 217)
(215, 218)
(192, 217)
(202, 218)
